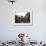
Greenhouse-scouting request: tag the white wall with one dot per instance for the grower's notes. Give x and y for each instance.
(9, 31)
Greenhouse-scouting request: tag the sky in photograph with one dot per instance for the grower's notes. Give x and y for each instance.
(21, 13)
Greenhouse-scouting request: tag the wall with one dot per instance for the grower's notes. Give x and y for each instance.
(9, 31)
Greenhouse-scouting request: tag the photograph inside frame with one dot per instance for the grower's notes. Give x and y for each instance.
(23, 18)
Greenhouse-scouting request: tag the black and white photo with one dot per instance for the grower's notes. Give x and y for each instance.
(23, 18)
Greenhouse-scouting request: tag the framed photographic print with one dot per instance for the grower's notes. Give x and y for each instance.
(23, 18)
